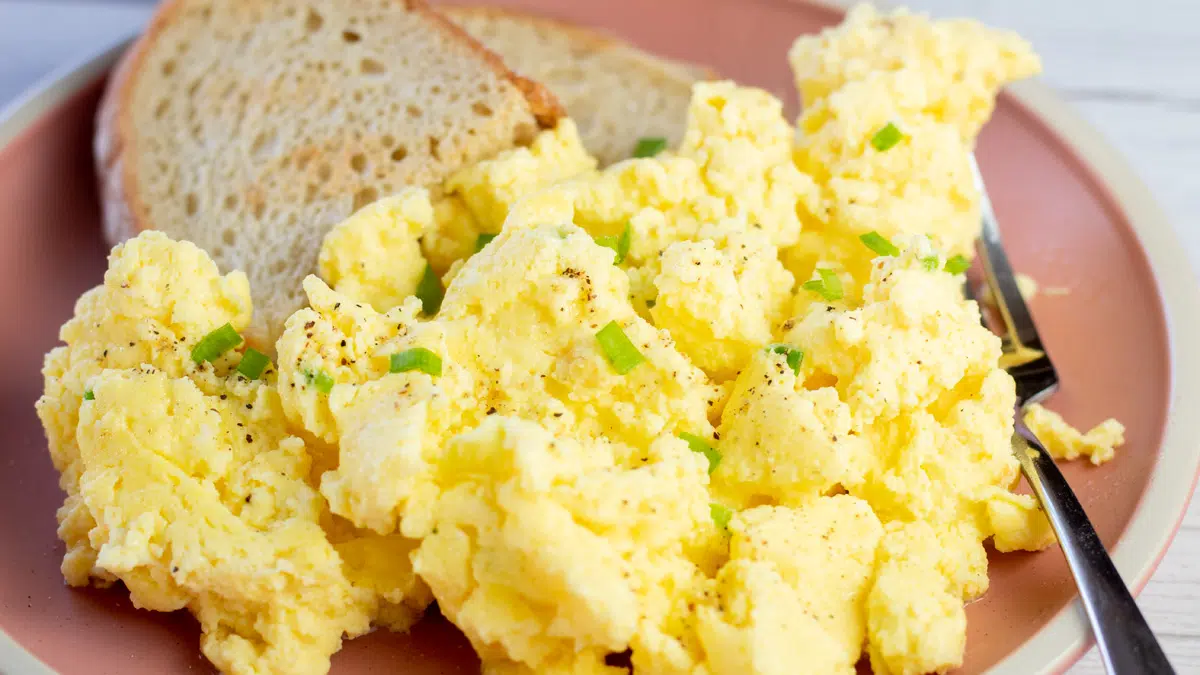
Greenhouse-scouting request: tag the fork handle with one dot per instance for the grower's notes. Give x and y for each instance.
(1126, 643)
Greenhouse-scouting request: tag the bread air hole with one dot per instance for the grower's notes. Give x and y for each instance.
(482, 109)
(313, 22)
(358, 162)
(230, 203)
(168, 67)
(372, 67)
(190, 204)
(399, 153)
(363, 197)
(351, 36)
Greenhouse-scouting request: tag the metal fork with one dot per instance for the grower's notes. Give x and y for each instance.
(1126, 643)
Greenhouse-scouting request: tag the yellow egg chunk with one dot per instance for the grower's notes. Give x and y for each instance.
(374, 256)
(381, 565)
(491, 187)
(337, 341)
(200, 506)
(1018, 523)
(962, 62)
(536, 546)
(1063, 441)
(915, 618)
(738, 137)
(476, 200)
(794, 590)
(721, 296)
(516, 335)
(912, 339)
(525, 313)
(782, 443)
(892, 105)
(158, 299)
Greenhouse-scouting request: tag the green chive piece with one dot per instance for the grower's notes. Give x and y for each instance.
(794, 356)
(721, 514)
(887, 137)
(649, 146)
(430, 291)
(417, 358)
(89, 396)
(619, 243)
(698, 444)
(253, 363)
(957, 265)
(320, 379)
(930, 262)
(879, 244)
(618, 349)
(651, 303)
(215, 344)
(483, 240)
(829, 286)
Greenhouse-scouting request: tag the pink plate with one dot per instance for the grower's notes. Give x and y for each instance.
(1073, 217)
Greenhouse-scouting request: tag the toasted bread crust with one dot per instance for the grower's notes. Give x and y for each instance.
(545, 108)
(124, 212)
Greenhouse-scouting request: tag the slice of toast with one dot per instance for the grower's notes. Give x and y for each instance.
(615, 92)
(250, 127)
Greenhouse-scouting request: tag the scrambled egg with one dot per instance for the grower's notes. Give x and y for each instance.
(674, 407)
(1063, 441)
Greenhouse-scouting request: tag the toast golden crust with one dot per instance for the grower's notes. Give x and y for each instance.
(545, 108)
(124, 215)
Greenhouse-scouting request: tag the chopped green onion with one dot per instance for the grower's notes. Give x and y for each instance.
(930, 262)
(483, 240)
(215, 344)
(887, 137)
(619, 243)
(320, 379)
(701, 446)
(617, 348)
(829, 286)
(417, 358)
(957, 265)
(651, 303)
(721, 514)
(794, 356)
(429, 290)
(879, 244)
(649, 146)
(89, 396)
(253, 363)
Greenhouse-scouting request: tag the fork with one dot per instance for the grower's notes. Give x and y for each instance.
(1126, 643)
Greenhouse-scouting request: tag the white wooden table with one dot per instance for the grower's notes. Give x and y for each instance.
(1131, 67)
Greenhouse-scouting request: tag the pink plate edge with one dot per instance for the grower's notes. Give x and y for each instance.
(1150, 531)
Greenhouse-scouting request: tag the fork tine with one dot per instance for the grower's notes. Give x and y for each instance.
(1000, 276)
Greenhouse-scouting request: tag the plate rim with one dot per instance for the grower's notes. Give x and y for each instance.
(1163, 506)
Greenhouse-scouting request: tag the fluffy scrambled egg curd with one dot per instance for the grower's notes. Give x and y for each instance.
(723, 408)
